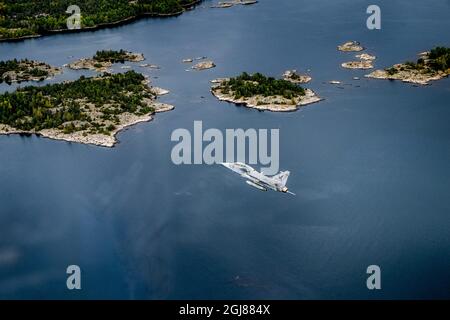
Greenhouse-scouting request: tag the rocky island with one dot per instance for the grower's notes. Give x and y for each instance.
(365, 62)
(351, 46)
(88, 110)
(295, 77)
(229, 4)
(103, 60)
(26, 70)
(362, 64)
(430, 66)
(204, 65)
(263, 93)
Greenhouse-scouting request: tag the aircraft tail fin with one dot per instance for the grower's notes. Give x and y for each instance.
(282, 177)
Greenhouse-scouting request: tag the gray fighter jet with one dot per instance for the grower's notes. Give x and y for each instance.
(259, 180)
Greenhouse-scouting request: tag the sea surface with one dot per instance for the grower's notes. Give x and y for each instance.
(370, 166)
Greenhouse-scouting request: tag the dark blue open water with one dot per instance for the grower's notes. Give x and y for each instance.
(370, 166)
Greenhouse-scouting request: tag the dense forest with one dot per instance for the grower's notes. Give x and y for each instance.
(19, 18)
(89, 104)
(247, 85)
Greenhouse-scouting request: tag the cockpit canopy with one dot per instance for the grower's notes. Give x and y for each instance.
(243, 167)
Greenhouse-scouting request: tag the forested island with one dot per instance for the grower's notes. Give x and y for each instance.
(26, 70)
(263, 93)
(21, 19)
(88, 110)
(430, 66)
(104, 59)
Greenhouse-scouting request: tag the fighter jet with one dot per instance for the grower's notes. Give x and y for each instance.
(259, 180)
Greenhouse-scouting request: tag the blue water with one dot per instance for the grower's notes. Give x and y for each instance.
(369, 165)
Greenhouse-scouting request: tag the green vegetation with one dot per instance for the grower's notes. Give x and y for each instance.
(247, 86)
(111, 56)
(35, 72)
(11, 65)
(91, 105)
(102, 60)
(19, 18)
(22, 69)
(440, 58)
(437, 60)
(295, 76)
(391, 71)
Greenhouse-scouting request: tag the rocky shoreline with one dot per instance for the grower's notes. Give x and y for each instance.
(365, 60)
(350, 46)
(102, 66)
(30, 70)
(271, 103)
(410, 76)
(295, 77)
(409, 72)
(358, 65)
(229, 4)
(101, 140)
(204, 65)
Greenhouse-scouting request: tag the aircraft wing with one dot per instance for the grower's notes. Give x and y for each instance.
(256, 185)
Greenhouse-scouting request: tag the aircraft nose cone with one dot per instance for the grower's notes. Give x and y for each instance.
(225, 164)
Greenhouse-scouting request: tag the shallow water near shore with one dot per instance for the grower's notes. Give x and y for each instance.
(369, 165)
